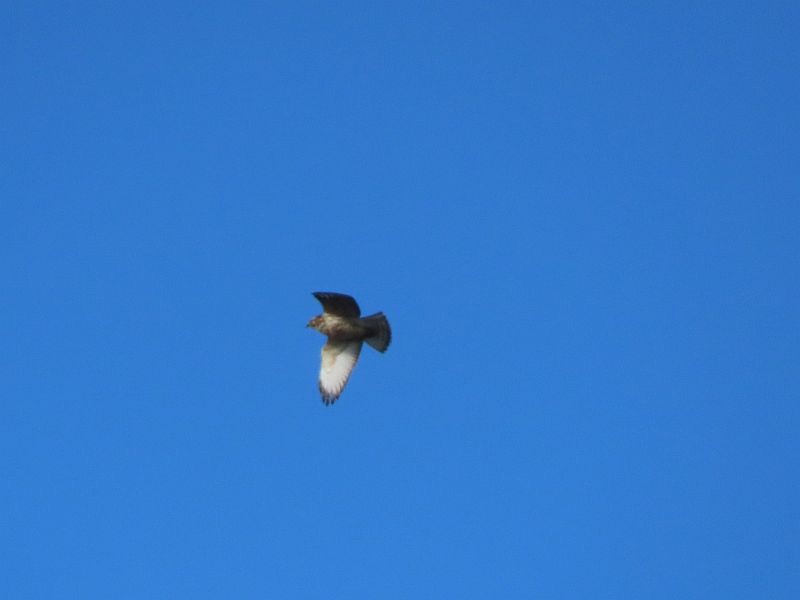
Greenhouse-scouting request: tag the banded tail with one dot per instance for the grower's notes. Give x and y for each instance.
(382, 333)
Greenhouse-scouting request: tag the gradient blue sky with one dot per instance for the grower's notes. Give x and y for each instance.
(581, 221)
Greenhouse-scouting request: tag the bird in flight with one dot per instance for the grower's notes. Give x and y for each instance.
(341, 321)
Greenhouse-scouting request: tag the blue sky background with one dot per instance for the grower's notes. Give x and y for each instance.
(581, 221)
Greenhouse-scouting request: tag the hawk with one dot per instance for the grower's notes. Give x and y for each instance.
(341, 321)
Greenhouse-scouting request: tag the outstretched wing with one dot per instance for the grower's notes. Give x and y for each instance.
(338, 360)
(341, 305)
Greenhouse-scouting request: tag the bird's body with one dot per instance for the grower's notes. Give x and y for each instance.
(340, 328)
(341, 321)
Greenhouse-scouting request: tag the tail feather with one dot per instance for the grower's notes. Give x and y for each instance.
(382, 335)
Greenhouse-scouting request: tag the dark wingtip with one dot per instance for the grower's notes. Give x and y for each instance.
(323, 296)
(327, 399)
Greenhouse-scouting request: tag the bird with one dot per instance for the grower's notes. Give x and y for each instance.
(347, 330)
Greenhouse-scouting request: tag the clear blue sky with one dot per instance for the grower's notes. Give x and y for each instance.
(581, 221)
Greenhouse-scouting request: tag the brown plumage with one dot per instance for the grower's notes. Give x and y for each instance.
(341, 321)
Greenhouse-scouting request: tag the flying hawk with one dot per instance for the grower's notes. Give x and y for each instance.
(341, 321)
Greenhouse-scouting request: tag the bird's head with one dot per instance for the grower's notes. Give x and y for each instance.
(315, 322)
